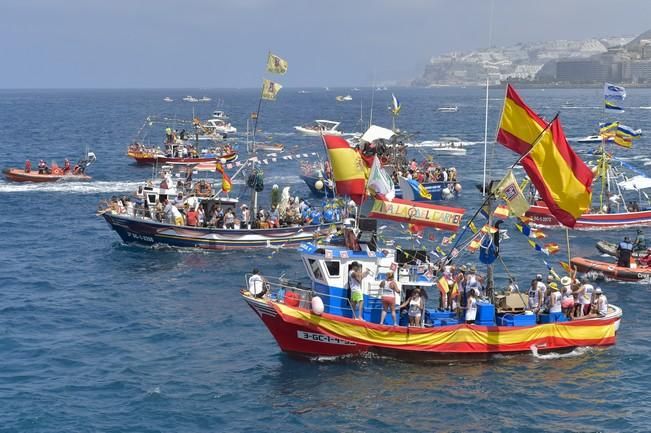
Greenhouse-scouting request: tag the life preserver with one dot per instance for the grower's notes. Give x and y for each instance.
(57, 171)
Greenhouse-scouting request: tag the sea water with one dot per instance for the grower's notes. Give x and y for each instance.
(99, 336)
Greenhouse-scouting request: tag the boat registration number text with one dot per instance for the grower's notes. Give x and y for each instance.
(140, 237)
(321, 338)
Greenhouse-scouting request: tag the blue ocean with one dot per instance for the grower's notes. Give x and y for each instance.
(97, 336)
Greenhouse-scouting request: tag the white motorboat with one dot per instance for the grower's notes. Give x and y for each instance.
(319, 127)
(205, 99)
(168, 99)
(344, 98)
(450, 109)
(219, 124)
(447, 145)
(593, 139)
(190, 99)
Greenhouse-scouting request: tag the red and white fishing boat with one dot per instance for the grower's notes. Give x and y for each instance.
(539, 215)
(151, 156)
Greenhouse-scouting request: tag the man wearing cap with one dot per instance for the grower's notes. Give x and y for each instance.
(624, 251)
(600, 303)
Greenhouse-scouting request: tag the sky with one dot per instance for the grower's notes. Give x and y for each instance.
(223, 44)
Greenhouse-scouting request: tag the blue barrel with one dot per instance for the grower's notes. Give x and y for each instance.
(485, 313)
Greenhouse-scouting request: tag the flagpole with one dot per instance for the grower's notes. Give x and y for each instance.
(257, 115)
(490, 37)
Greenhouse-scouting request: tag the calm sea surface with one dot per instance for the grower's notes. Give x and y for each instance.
(96, 336)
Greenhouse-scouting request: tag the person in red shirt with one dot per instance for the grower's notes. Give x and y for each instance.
(192, 217)
(66, 167)
(28, 166)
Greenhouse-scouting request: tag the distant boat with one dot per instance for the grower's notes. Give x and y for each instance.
(205, 99)
(645, 107)
(319, 127)
(355, 89)
(379, 89)
(593, 139)
(168, 99)
(344, 98)
(190, 99)
(302, 92)
(450, 109)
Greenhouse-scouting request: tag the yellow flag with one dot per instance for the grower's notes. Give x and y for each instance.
(276, 65)
(510, 191)
(270, 90)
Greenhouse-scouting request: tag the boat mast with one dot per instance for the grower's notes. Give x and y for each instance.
(490, 37)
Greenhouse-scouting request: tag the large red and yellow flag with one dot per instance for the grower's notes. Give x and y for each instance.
(348, 169)
(562, 179)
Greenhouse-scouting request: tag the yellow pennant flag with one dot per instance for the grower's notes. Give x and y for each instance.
(270, 90)
(474, 245)
(276, 65)
(510, 191)
(473, 227)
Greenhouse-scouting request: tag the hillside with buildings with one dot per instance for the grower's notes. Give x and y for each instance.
(619, 59)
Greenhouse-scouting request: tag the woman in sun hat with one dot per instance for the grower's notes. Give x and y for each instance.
(554, 298)
(567, 297)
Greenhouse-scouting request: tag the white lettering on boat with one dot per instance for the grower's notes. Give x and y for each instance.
(141, 237)
(321, 338)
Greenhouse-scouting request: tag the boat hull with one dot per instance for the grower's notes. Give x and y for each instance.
(434, 188)
(541, 216)
(610, 270)
(299, 331)
(19, 175)
(143, 158)
(147, 232)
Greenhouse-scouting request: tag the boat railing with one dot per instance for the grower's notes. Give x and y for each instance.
(277, 290)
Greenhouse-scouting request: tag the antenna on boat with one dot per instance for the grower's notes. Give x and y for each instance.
(490, 37)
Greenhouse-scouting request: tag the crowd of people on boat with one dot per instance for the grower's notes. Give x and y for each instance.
(574, 298)
(198, 210)
(426, 172)
(462, 287)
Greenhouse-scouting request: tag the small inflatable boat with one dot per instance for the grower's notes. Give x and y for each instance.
(611, 270)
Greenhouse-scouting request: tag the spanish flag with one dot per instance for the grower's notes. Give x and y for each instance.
(562, 179)
(348, 169)
(227, 185)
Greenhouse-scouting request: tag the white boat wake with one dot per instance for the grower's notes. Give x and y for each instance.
(579, 351)
(71, 187)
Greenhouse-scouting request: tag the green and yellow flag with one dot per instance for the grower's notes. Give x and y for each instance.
(276, 65)
(510, 191)
(270, 90)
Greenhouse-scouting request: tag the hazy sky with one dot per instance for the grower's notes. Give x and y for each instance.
(215, 43)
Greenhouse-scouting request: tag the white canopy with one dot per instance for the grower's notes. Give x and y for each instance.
(377, 132)
(636, 182)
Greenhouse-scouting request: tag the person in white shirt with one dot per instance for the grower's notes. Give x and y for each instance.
(471, 308)
(554, 299)
(355, 277)
(586, 297)
(257, 284)
(600, 303)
